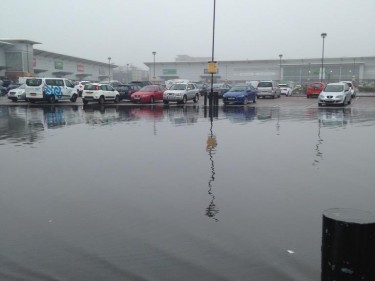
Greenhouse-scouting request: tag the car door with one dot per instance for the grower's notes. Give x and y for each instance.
(111, 92)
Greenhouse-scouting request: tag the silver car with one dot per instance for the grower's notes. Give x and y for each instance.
(335, 93)
(181, 93)
(268, 89)
(17, 93)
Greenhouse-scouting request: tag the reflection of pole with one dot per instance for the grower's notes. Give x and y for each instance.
(109, 69)
(211, 210)
(280, 56)
(319, 155)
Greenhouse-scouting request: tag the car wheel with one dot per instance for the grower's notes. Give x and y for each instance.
(32, 101)
(85, 101)
(195, 100)
(184, 100)
(254, 100)
(350, 101)
(152, 100)
(117, 99)
(319, 104)
(51, 99)
(101, 100)
(165, 102)
(14, 100)
(74, 98)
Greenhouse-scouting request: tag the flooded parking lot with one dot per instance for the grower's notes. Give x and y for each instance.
(159, 192)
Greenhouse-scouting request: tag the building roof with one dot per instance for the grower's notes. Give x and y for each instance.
(66, 57)
(9, 40)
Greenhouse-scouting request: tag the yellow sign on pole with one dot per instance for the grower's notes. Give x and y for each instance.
(212, 67)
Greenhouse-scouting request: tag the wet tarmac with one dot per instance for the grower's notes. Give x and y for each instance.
(153, 192)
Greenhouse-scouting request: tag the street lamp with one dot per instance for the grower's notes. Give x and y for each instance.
(109, 69)
(323, 36)
(154, 78)
(280, 56)
(127, 73)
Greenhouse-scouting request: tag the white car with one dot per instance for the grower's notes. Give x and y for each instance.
(353, 90)
(181, 93)
(99, 93)
(80, 86)
(17, 93)
(285, 89)
(335, 93)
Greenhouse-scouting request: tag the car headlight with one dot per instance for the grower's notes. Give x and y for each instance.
(321, 96)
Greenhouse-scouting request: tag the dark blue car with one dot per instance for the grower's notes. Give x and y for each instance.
(240, 94)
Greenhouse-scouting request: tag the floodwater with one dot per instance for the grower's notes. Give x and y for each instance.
(168, 193)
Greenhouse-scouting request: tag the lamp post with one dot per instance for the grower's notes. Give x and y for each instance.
(280, 56)
(154, 78)
(322, 71)
(109, 69)
(127, 73)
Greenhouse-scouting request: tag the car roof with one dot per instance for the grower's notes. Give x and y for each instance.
(338, 83)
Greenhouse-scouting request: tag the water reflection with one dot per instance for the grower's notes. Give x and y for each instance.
(182, 115)
(335, 117)
(240, 114)
(211, 144)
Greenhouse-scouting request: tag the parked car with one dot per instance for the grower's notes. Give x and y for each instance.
(17, 94)
(202, 88)
(148, 94)
(141, 83)
(268, 89)
(335, 93)
(3, 91)
(240, 94)
(80, 85)
(219, 88)
(181, 93)
(285, 89)
(50, 89)
(126, 90)
(353, 90)
(314, 89)
(99, 93)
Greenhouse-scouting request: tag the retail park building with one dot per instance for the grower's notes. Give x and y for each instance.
(19, 58)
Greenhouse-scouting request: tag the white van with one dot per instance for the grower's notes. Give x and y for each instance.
(50, 89)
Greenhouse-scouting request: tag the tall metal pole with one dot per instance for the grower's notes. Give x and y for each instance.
(154, 78)
(213, 55)
(280, 56)
(127, 73)
(109, 69)
(322, 71)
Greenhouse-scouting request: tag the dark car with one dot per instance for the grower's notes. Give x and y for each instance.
(314, 89)
(219, 88)
(126, 90)
(202, 88)
(141, 83)
(240, 94)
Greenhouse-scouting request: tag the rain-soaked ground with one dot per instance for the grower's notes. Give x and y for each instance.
(167, 193)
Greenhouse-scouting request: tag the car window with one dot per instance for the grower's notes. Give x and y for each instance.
(238, 89)
(265, 84)
(69, 84)
(103, 87)
(34, 82)
(90, 87)
(178, 87)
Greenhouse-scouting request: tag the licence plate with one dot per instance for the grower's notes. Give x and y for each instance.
(88, 93)
(231, 98)
(136, 98)
(33, 94)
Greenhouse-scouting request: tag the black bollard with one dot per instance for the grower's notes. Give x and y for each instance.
(348, 245)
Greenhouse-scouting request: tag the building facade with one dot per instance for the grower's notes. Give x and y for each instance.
(19, 58)
(300, 71)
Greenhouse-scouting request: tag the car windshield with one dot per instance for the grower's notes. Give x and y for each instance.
(238, 89)
(316, 85)
(334, 88)
(178, 87)
(283, 85)
(265, 84)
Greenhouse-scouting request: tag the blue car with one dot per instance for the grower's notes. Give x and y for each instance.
(240, 94)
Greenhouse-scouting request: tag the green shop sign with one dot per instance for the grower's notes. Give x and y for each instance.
(59, 65)
(169, 71)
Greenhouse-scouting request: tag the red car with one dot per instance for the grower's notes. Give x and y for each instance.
(148, 94)
(314, 89)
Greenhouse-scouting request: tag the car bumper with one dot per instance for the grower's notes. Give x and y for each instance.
(331, 101)
(173, 98)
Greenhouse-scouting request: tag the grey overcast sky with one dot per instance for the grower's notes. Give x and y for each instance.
(129, 31)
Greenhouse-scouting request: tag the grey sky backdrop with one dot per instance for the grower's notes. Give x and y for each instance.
(130, 30)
